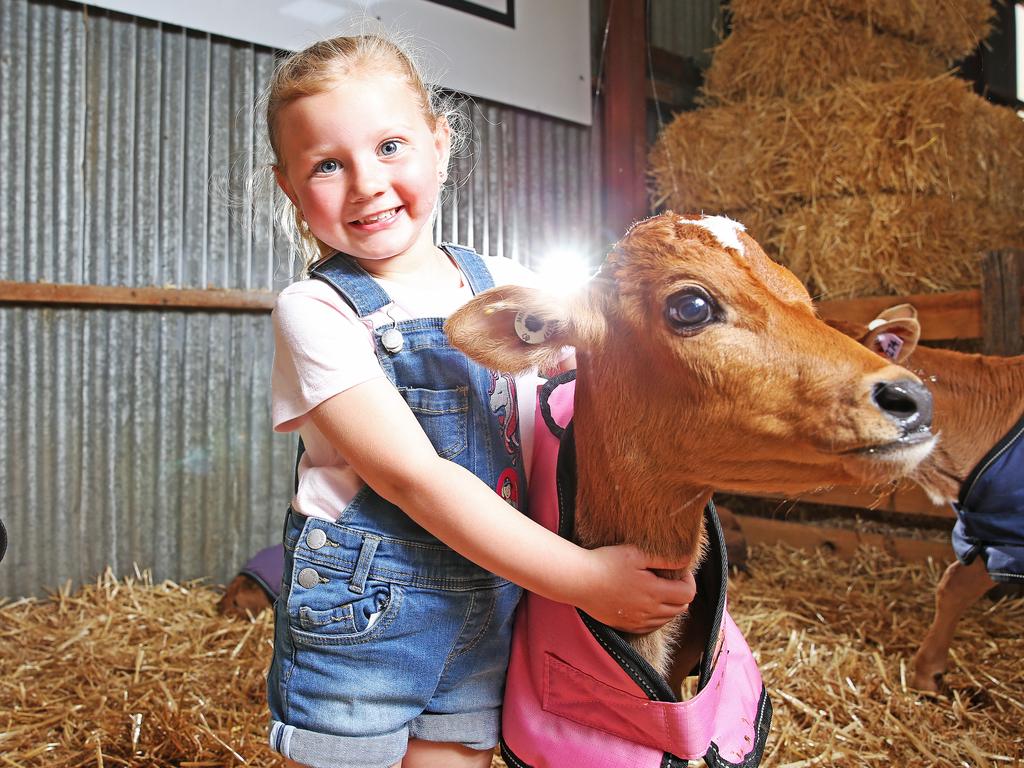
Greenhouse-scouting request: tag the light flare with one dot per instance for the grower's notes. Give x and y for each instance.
(565, 271)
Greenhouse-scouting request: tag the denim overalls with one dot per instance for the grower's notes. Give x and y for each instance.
(382, 632)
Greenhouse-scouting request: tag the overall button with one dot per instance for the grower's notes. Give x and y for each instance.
(392, 340)
(308, 578)
(316, 538)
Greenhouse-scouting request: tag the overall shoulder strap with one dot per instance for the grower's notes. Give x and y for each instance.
(472, 266)
(353, 284)
(358, 289)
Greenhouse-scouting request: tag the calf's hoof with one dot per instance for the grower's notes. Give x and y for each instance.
(932, 684)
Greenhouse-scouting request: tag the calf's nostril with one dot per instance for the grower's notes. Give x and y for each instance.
(907, 402)
(893, 399)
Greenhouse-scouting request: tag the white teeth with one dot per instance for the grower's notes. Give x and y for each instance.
(378, 217)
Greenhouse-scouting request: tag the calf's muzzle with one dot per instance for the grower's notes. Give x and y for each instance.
(906, 402)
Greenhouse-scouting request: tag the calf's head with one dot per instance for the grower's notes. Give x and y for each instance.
(701, 365)
(977, 398)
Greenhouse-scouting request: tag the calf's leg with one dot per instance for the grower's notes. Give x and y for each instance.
(735, 540)
(960, 587)
(243, 598)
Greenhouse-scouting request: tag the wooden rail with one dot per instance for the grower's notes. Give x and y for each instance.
(841, 541)
(943, 316)
(905, 500)
(66, 294)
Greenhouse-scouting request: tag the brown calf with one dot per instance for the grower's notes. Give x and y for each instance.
(978, 399)
(701, 364)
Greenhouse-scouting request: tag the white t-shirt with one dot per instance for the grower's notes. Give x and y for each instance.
(321, 348)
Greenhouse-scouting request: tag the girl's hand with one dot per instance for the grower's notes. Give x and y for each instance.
(625, 593)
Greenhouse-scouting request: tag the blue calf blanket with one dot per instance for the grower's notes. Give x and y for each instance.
(990, 510)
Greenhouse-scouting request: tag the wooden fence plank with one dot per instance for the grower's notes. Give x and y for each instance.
(954, 315)
(910, 500)
(841, 541)
(943, 316)
(65, 294)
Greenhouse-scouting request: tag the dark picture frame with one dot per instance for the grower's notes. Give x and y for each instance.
(508, 17)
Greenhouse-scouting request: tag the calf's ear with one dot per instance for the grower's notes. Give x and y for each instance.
(513, 329)
(898, 312)
(895, 339)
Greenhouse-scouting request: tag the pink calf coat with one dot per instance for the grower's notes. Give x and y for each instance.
(579, 695)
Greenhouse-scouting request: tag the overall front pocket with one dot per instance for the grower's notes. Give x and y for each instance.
(443, 415)
(324, 610)
(350, 618)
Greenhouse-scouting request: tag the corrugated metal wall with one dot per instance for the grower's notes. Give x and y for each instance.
(686, 27)
(143, 435)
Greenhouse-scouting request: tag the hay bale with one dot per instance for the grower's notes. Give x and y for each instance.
(722, 158)
(933, 137)
(950, 28)
(804, 56)
(885, 244)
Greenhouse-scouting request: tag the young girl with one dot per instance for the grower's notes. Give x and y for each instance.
(403, 544)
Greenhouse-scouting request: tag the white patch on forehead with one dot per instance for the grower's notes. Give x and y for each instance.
(724, 229)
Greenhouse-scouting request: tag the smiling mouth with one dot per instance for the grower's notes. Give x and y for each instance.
(378, 218)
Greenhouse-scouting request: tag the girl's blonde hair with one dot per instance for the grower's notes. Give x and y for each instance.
(315, 70)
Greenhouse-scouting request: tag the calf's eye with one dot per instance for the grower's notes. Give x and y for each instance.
(689, 310)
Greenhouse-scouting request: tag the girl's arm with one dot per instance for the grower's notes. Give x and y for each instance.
(373, 428)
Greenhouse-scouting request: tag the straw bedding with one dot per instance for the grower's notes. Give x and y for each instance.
(950, 28)
(140, 674)
(800, 57)
(906, 136)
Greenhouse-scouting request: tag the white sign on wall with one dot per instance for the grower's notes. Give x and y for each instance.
(533, 54)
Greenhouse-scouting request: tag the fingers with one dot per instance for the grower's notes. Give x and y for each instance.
(670, 598)
(632, 597)
(679, 591)
(654, 562)
(637, 558)
(641, 624)
(645, 616)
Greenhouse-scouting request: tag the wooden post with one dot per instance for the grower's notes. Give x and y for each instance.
(624, 116)
(1001, 303)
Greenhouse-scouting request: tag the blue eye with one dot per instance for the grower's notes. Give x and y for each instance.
(689, 310)
(328, 166)
(389, 147)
